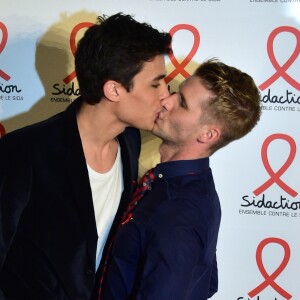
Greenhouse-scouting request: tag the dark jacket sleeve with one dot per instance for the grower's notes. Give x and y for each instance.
(15, 182)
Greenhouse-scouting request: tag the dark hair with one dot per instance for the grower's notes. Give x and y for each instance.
(115, 49)
(235, 101)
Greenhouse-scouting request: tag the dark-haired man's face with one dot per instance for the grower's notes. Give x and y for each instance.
(140, 106)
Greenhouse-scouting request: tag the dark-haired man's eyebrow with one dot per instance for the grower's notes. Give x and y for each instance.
(159, 77)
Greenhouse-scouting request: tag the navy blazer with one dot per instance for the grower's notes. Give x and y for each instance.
(48, 234)
(168, 249)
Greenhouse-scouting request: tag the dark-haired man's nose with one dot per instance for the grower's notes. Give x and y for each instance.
(164, 92)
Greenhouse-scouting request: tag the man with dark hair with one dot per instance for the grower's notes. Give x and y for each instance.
(65, 182)
(166, 245)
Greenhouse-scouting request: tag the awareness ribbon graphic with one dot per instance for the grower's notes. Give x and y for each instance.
(275, 177)
(281, 70)
(269, 279)
(2, 46)
(74, 32)
(179, 67)
(2, 130)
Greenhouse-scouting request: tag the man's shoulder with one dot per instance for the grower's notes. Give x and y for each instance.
(45, 134)
(51, 125)
(30, 132)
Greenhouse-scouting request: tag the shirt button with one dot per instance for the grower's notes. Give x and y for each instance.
(160, 175)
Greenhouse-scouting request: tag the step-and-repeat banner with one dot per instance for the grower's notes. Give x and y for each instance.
(257, 177)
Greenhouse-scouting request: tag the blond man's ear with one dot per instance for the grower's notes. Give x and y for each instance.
(209, 135)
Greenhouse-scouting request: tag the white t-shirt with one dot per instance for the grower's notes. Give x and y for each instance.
(107, 189)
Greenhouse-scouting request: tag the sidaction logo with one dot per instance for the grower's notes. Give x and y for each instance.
(284, 205)
(269, 280)
(281, 70)
(275, 177)
(287, 97)
(180, 67)
(62, 92)
(7, 91)
(3, 42)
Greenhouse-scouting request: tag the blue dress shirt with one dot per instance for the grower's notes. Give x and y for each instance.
(168, 250)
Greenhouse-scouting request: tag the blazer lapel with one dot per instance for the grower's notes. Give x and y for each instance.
(80, 186)
(79, 183)
(129, 164)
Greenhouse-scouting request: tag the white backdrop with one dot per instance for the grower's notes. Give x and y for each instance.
(257, 177)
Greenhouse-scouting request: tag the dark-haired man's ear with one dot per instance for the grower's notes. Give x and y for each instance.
(110, 90)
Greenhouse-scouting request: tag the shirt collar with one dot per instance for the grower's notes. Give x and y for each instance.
(181, 167)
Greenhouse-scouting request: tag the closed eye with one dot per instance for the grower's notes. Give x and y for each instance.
(182, 101)
(158, 80)
(156, 85)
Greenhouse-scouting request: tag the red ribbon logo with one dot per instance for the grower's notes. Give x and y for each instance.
(2, 130)
(281, 70)
(179, 67)
(275, 177)
(269, 279)
(2, 46)
(73, 47)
